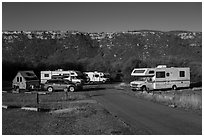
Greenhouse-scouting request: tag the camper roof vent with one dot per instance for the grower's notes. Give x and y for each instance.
(161, 66)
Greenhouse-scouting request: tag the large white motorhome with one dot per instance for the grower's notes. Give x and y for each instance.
(96, 77)
(74, 76)
(160, 77)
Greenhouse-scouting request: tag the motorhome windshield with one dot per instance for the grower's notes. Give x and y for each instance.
(140, 78)
(143, 78)
(78, 77)
(106, 75)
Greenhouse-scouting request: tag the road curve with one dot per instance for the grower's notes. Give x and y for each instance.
(148, 118)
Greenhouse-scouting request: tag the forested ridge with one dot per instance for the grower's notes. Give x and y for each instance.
(117, 53)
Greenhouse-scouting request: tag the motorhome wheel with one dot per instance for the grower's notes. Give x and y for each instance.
(71, 89)
(144, 88)
(50, 89)
(174, 87)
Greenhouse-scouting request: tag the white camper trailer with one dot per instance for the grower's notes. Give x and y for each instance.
(25, 80)
(74, 76)
(160, 77)
(96, 77)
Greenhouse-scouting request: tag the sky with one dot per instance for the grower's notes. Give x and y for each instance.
(102, 16)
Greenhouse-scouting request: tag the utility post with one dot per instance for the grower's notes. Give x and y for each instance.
(37, 97)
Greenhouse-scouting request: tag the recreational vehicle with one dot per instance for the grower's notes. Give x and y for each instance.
(71, 75)
(160, 77)
(96, 77)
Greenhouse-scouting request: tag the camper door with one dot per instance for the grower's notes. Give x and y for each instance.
(169, 77)
(160, 81)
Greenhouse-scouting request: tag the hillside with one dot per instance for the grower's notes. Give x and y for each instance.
(116, 53)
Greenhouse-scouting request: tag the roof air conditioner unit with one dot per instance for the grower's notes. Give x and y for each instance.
(161, 66)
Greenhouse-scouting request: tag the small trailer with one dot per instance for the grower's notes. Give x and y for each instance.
(26, 80)
(160, 77)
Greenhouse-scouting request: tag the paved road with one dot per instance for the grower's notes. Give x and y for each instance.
(146, 117)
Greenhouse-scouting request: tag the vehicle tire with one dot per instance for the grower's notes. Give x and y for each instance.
(50, 89)
(174, 87)
(71, 88)
(144, 88)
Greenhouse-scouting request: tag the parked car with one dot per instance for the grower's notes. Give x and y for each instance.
(59, 84)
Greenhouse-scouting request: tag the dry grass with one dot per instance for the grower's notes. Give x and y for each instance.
(189, 101)
(86, 119)
(183, 98)
(79, 115)
(23, 99)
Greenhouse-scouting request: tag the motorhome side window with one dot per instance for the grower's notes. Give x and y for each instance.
(151, 72)
(46, 75)
(96, 75)
(160, 74)
(182, 73)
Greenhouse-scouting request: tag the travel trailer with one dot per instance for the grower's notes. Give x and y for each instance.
(96, 77)
(160, 77)
(25, 80)
(71, 75)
